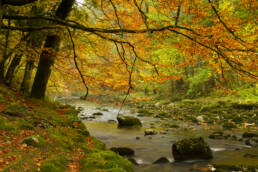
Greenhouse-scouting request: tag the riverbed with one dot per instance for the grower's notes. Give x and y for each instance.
(150, 148)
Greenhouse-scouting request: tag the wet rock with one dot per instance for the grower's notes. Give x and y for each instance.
(35, 141)
(249, 135)
(200, 119)
(79, 108)
(194, 148)
(216, 135)
(128, 121)
(105, 110)
(157, 104)
(97, 114)
(133, 161)
(111, 121)
(123, 151)
(150, 132)
(87, 117)
(161, 160)
(244, 106)
(251, 142)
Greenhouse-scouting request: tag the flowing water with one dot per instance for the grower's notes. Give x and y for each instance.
(150, 148)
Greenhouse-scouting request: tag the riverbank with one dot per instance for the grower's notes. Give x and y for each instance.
(40, 136)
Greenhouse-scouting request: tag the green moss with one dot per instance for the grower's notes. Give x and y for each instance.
(60, 139)
(106, 161)
(24, 124)
(6, 91)
(2, 99)
(128, 121)
(98, 144)
(16, 107)
(8, 126)
(194, 148)
(35, 141)
(188, 101)
(56, 163)
(162, 115)
(210, 107)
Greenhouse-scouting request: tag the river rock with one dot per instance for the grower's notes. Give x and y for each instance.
(157, 104)
(249, 135)
(128, 121)
(161, 160)
(133, 161)
(200, 119)
(251, 142)
(111, 121)
(97, 114)
(123, 151)
(149, 132)
(194, 148)
(217, 135)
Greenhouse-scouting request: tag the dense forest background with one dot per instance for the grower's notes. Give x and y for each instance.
(176, 49)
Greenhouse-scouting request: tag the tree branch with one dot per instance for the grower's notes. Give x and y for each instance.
(77, 67)
(223, 23)
(17, 2)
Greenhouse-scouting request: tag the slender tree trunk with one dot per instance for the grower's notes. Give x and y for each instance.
(10, 72)
(25, 86)
(4, 57)
(48, 55)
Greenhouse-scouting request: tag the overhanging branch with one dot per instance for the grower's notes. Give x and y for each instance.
(17, 2)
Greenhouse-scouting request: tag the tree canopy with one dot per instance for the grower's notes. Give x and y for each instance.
(111, 43)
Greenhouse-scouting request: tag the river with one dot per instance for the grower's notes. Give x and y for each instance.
(150, 148)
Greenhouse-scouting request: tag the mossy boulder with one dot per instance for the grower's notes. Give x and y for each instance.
(128, 121)
(105, 161)
(123, 151)
(249, 135)
(194, 148)
(210, 107)
(56, 163)
(150, 132)
(35, 141)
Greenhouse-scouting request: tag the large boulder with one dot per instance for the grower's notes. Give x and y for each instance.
(123, 151)
(194, 148)
(128, 121)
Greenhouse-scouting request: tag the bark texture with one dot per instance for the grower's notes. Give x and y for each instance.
(48, 55)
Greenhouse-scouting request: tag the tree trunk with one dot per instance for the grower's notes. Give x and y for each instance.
(10, 72)
(25, 86)
(48, 55)
(4, 57)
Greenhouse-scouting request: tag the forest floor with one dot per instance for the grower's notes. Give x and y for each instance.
(40, 136)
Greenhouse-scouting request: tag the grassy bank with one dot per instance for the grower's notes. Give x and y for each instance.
(40, 136)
